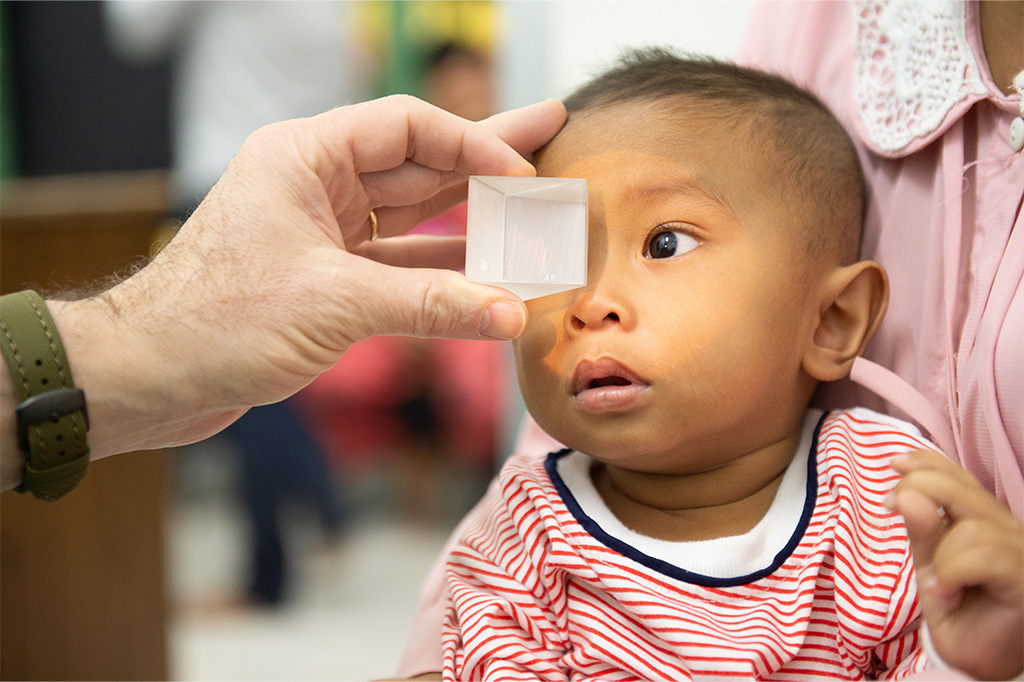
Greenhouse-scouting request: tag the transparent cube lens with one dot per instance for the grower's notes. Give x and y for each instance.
(527, 235)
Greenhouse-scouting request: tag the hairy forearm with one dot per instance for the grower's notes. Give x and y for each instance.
(111, 366)
(136, 393)
(101, 360)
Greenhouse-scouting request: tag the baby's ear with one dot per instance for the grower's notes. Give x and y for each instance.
(852, 305)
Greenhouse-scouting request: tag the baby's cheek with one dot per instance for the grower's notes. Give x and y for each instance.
(539, 342)
(538, 363)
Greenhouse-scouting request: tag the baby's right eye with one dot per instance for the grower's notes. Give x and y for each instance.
(669, 243)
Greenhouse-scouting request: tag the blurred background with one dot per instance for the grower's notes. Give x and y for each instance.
(292, 546)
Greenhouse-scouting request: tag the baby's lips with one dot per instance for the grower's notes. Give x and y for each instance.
(589, 371)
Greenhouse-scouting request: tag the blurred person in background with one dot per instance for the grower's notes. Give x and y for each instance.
(237, 67)
(458, 79)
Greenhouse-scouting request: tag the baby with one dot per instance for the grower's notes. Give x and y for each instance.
(705, 522)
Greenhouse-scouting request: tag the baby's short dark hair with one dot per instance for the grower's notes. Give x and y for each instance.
(818, 164)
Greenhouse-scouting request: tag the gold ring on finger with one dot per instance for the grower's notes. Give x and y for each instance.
(373, 227)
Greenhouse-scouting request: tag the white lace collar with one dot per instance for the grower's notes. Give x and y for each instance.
(914, 66)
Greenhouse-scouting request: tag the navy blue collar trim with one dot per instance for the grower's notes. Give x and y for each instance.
(671, 570)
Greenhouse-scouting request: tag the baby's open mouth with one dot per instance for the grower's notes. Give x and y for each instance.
(606, 384)
(609, 381)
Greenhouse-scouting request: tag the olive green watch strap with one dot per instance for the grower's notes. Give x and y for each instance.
(51, 414)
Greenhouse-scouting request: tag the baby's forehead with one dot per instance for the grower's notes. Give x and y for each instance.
(677, 129)
(726, 157)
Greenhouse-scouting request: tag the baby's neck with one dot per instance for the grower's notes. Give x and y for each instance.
(721, 502)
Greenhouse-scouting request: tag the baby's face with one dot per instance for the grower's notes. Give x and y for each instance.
(686, 343)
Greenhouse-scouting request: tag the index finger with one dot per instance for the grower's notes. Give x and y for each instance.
(947, 484)
(932, 492)
(917, 460)
(384, 133)
(528, 128)
(924, 523)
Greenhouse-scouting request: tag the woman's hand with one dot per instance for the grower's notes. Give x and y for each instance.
(969, 556)
(273, 276)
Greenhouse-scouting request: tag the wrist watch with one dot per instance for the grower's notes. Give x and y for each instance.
(51, 414)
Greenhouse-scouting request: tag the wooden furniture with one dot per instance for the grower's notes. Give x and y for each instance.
(82, 590)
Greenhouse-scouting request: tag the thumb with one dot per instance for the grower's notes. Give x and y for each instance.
(924, 523)
(436, 304)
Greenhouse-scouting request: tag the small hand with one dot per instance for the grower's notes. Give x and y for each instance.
(969, 555)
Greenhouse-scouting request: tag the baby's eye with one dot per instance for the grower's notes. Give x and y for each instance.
(670, 243)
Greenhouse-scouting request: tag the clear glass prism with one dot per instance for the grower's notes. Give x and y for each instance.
(527, 235)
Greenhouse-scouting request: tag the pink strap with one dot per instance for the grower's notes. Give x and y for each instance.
(888, 386)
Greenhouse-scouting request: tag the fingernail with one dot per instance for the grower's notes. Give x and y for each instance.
(899, 461)
(890, 502)
(503, 320)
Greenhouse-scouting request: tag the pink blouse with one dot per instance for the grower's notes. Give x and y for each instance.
(911, 83)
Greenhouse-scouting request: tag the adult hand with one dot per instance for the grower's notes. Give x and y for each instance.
(969, 556)
(273, 276)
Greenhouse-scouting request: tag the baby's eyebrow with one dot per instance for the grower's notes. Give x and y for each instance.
(687, 185)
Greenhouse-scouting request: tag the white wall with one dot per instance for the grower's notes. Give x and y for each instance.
(554, 45)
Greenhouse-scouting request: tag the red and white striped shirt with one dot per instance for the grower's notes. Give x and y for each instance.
(546, 583)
